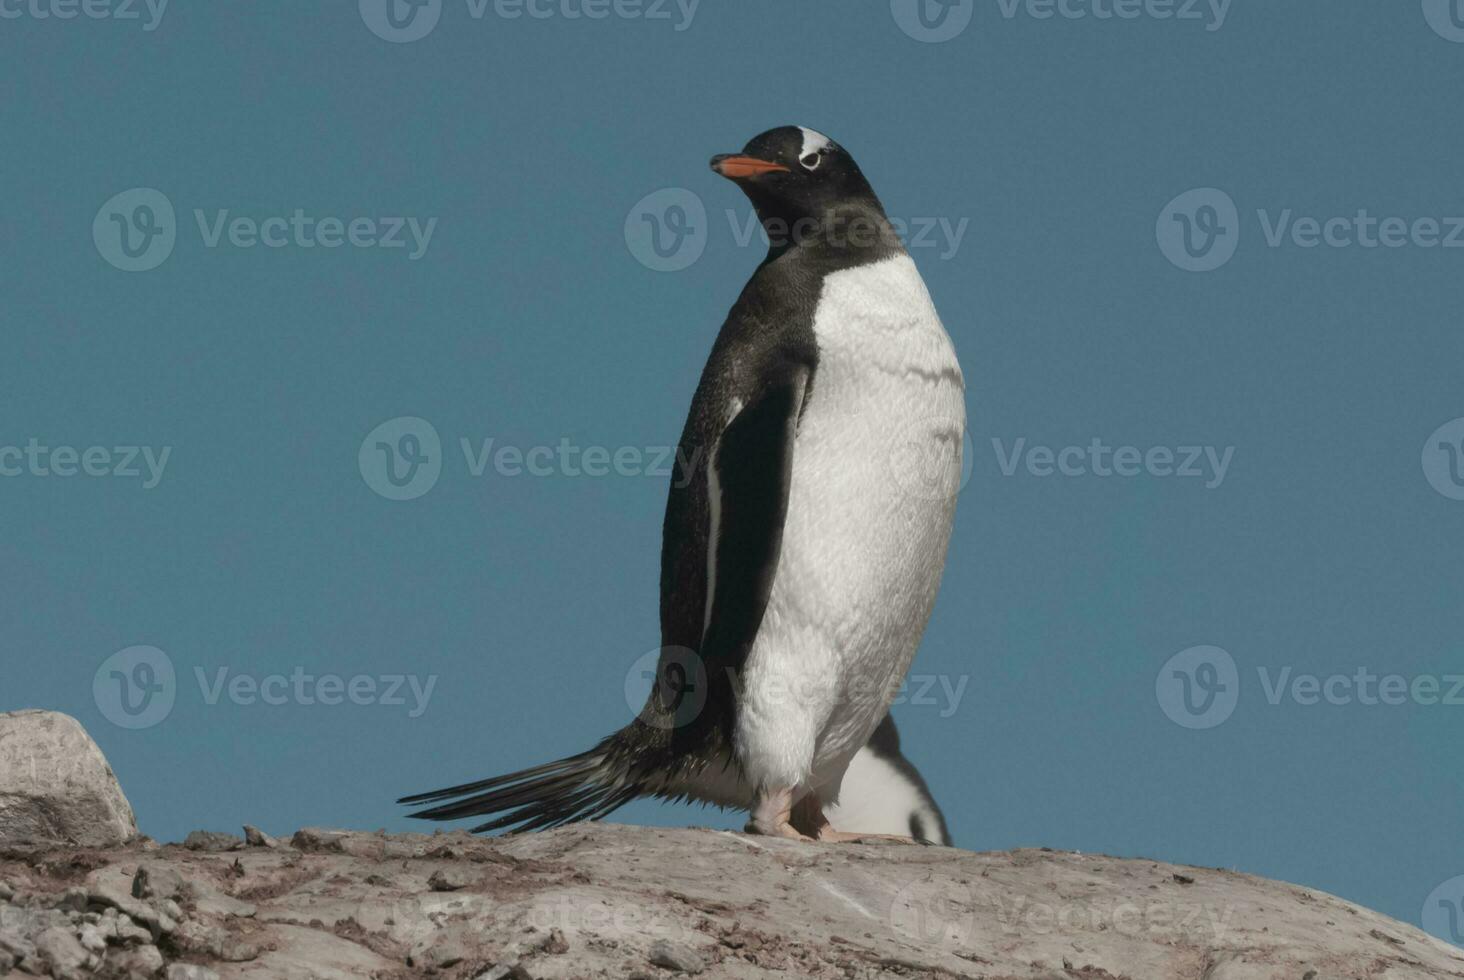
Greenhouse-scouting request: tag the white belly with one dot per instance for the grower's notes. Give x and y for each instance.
(876, 468)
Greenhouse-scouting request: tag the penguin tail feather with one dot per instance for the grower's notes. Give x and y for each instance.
(588, 786)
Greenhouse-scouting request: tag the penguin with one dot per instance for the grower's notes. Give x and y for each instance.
(883, 793)
(802, 552)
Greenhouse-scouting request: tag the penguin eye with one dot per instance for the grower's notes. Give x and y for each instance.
(811, 161)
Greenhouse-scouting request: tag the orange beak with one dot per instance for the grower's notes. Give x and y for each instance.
(735, 167)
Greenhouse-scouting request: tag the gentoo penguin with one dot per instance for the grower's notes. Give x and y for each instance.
(883, 793)
(801, 556)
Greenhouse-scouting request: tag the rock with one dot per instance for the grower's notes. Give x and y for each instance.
(313, 839)
(139, 961)
(255, 837)
(190, 971)
(130, 933)
(449, 879)
(55, 784)
(158, 923)
(62, 954)
(445, 955)
(677, 957)
(501, 972)
(92, 938)
(212, 841)
(213, 942)
(16, 946)
(73, 900)
(605, 901)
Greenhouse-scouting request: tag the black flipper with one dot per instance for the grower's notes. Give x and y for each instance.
(753, 466)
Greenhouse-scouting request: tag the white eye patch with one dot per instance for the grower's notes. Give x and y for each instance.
(813, 144)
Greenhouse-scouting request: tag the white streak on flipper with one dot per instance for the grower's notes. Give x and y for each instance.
(714, 509)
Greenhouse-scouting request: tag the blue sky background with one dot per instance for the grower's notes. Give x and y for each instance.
(530, 320)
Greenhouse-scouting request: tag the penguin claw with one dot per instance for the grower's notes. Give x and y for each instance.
(785, 830)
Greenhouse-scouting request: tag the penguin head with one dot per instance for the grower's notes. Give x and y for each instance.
(793, 173)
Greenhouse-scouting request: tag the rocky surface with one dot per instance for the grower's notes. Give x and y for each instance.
(55, 784)
(624, 902)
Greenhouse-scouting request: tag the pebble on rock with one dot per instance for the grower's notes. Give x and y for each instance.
(675, 956)
(449, 880)
(255, 837)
